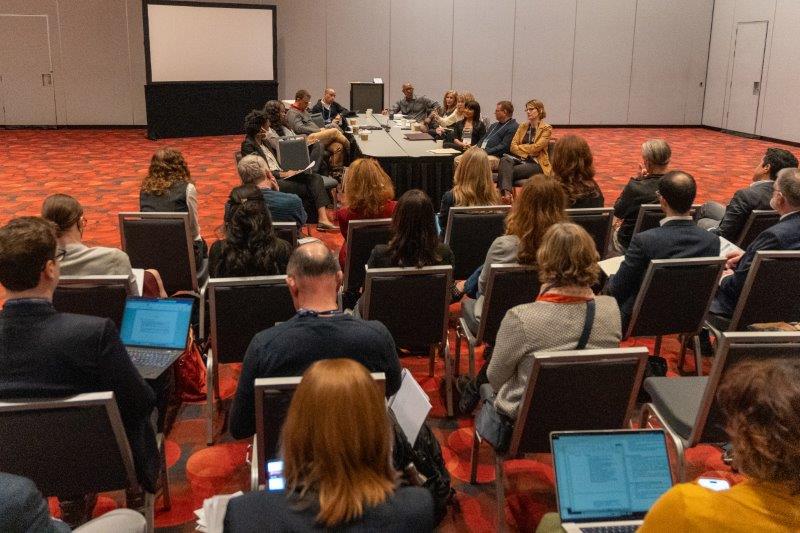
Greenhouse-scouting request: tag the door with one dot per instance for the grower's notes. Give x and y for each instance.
(745, 86)
(26, 71)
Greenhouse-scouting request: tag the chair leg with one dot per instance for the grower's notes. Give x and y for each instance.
(471, 348)
(210, 387)
(166, 499)
(431, 359)
(448, 379)
(682, 357)
(457, 368)
(500, 488)
(473, 465)
(698, 355)
(657, 346)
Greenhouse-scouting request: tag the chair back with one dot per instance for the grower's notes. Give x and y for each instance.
(508, 285)
(286, 231)
(470, 232)
(272, 399)
(675, 296)
(577, 390)
(102, 296)
(770, 292)
(650, 216)
(597, 221)
(161, 241)
(87, 453)
(412, 303)
(362, 237)
(242, 307)
(758, 221)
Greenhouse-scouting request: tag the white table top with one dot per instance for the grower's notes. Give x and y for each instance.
(379, 141)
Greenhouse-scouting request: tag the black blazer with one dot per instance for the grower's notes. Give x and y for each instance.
(744, 202)
(44, 353)
(251, 146)
(638, 191)
(675, 239)
(478, 131)
(336, 109)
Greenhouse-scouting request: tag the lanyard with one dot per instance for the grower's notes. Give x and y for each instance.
(311, 312)
(326, 118)
(495, 132)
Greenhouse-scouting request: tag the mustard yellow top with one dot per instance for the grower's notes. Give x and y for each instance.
(747, 507)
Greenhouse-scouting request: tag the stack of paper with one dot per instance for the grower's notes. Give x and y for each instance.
(444, 151)
(410, 406)
(611, 265)
(211, 518)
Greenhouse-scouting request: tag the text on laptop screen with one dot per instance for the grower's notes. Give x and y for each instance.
(610, 475)
(156, 323)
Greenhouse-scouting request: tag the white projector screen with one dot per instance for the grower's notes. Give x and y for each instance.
(210, 43)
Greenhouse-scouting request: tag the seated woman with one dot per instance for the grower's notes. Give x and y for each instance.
(309, 186)
(444, 124)
(250, 247)
(276, 116)
(368, 193)
(445, 113)
(336, 449)
(472, 185)
(573, 165)
(529, 150)
(469, 131)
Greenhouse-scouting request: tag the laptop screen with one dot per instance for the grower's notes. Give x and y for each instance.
(609, 475)
(156, 323)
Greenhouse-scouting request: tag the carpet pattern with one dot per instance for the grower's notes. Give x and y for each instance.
(103, 169)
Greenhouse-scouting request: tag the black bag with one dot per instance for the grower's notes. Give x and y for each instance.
(656, 366)
(423, 466)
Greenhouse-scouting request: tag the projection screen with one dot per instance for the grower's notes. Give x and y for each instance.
(187, 41)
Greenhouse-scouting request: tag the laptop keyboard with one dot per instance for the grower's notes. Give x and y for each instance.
(150, 357)
(610, 529)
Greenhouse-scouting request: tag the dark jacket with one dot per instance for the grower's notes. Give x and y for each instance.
(638, 191)
(744, 202)
(250, 145)
(448, 201)
(591, 200)
(675, 239)
(785, 235)
(498, 137)
(23, 509)
(47, 354)
(478, 131)
(336, 109)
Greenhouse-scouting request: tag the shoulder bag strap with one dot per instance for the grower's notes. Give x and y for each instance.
(587, 325)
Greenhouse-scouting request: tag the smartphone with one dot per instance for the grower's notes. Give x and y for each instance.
(713, 484)
(275, 481)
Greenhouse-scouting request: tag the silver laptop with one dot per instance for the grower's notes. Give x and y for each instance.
(293, 153)
(607, 480)
(155, 332)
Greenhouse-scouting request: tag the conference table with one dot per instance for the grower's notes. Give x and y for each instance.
(410, 164)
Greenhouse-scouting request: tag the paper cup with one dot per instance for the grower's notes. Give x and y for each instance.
(364, 135)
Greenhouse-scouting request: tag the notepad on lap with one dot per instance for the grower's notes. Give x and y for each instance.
(410, 406)
(611, 265)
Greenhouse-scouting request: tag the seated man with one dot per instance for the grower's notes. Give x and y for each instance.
(412, 107)
(318, 331)
(331, 110)
(44, 353)
(785, 235)
(299, 120)
(677, 237)
(729, 221)
(497, 140)
(278, 128)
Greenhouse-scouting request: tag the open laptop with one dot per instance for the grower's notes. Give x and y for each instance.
(293, 153)
(607, 480)
(155, 332)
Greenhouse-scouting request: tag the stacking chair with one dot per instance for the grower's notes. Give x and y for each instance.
(686, 408)
(758, 221)
(286, 231)
(650, 216)
(272, 399)
(470, 232)
(571, 390)
(674, 299)
(413, 304)
(240, 308)
(102, 296)
(509, 285)
(597, 221)
(362, 237)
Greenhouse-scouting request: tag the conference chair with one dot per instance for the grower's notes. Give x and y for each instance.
(508, 285)
(758, 221)
(674, 298)
(470, 232)
(650, 216)
(597, 221)
(413, 304)
(686, 407)
(102, 296)
(240, 308)
(286, 231)
(572, 390)
(272, 399)
(362, 237)
(88, 453)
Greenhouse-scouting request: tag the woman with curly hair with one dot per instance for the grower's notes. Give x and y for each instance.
(472, 185)
(573, 165)
(250, 247)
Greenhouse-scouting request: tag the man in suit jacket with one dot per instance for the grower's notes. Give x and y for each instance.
(497, 139)
(785, 235)
(677, 237)
(729, 222)
(44, 353)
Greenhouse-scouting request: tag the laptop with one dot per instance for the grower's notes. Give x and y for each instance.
(155, 332)
(293, 153)
(607, 480)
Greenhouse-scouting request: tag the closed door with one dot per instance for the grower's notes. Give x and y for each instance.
(26, 71)
(745, 86)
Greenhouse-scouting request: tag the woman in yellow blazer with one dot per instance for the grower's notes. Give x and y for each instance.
(528, 150)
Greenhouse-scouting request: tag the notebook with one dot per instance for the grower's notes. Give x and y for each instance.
(418, 136)
(607, 480)
(293, 153)
(155, 332)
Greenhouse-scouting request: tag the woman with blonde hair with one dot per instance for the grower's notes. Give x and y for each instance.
(444, 111)
(336, 450)
(472, 184)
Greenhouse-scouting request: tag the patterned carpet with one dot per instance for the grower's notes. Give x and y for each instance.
(103, 169)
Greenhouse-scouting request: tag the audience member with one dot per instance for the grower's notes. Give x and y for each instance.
(250, 247)
(445, 114)
(284, 207)
(444, 123)
(468, 131)
(497, 140)
(413, 107)
(728, 222)
(368, 193)
(336, 446)
(528, 150)
(332, 111)
(676, 237)
(318, 331)
(299, 121)
(44, 353)
(785, 235)
(573, 165)
(276, 116)
(472, 185)
(641, 189)
(760, 402)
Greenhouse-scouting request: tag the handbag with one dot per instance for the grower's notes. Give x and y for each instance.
(190, 374)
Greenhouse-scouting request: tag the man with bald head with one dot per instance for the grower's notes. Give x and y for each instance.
(318, 331)
(331, 110)
(413, 107)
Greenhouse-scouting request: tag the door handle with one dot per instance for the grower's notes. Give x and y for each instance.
(47, 80)
(756, 87)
